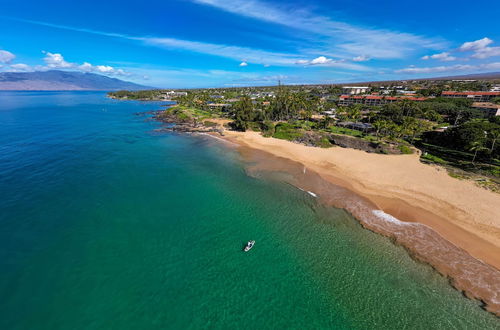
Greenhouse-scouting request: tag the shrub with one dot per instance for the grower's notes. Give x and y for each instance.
(405, 149)
(324, 143)
(286, 131)
(267, 128)
(434, 159)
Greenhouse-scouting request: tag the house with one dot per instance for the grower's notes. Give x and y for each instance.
(364, 127)
(474, 96)
(375, 100)
(491, 109)
(354, 90)
(222, 106)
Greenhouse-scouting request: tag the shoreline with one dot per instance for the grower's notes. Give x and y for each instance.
(452, 225)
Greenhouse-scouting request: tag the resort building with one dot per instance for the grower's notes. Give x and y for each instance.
(495, 88)
(475, 96)
(176, 93)
(375, 100)
(220, 106)
(364, 127)
(355, 90)
(491, 109)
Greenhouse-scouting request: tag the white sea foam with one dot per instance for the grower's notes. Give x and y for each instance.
(312, 194)
(389, 218)
(218, 138)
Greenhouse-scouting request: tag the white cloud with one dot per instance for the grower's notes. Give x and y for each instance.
(475, 45)
(445, 57)
(20, 67)
(104, 68)
(6, 56)
(233, 52)
(451, 68)
(344, 37)
(325, 61)
(321, 60)
(486, 52)
(56, 61)
(480, 48)
(85, 67)
(252, 55)
(243, 64)
(361, 58)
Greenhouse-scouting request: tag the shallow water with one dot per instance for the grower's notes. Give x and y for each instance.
(105, 224)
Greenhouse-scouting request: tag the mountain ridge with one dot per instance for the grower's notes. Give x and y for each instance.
(63, 80)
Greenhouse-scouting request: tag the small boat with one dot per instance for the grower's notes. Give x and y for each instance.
(249, 245)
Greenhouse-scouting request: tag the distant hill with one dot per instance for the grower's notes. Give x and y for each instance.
(475, 76)
(63, 80)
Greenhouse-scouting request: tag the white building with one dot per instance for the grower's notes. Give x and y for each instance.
(354, 90)
(495, 88)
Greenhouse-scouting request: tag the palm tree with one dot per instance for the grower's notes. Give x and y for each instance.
(380, 126)
(495, 135)
(476, 147)
(354, 112)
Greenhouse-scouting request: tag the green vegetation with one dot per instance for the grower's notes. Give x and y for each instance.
(345, 131)
(287, 131)
(447, 130)
(324, 143)
(137, 95)
(405, 149)
(434, 159)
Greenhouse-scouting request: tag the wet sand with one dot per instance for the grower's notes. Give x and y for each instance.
(453, 225)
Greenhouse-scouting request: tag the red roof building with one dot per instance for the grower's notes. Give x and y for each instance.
(474, 96)
(375, 100)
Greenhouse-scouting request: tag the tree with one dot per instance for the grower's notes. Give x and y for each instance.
(379, 126)
(413, 127)
(495, 136)
(243, 113)
(354, 112)
(476, 147)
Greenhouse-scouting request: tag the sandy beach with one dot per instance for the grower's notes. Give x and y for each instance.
(422, 199)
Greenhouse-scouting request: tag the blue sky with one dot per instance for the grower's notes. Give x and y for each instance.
(217, 43)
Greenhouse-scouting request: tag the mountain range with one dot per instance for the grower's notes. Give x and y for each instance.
(63, 80)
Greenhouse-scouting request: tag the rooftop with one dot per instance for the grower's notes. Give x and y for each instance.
(470, 93)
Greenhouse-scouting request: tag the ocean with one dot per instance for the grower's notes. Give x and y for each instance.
(107, 223)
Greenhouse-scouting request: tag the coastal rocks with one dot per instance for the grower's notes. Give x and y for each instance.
(176, 123)
(313, 139)
(360, 144)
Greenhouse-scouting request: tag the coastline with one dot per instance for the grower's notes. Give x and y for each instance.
(450, 224)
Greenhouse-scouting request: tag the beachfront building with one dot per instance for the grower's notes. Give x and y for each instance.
(495, 88)
(355, 90)
(474, 96)
(375, 100)
(364, 127)
(491, 109)
(167, 96)
(175, 93)
(224, 107)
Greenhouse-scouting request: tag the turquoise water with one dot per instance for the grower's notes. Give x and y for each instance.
(105, 224)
